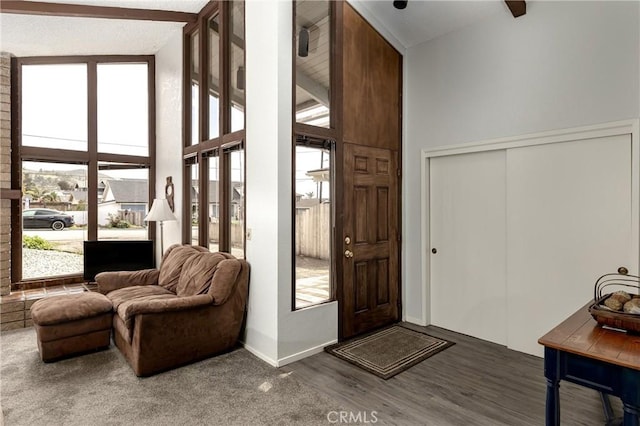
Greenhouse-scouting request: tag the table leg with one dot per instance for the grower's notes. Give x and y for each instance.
(606, 407)
(631, 415)
(552, 413)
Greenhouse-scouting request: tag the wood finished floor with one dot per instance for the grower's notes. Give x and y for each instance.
(473, 382)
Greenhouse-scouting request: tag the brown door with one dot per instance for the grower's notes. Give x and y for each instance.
(370, 241)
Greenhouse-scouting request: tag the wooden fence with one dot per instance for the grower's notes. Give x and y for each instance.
(313, 231)
(237, 233)
(133, 217)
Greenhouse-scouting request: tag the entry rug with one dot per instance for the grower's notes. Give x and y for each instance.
(390, 351)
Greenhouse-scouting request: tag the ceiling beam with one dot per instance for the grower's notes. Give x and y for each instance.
(316, 90)
(85, 11)
(517, 7)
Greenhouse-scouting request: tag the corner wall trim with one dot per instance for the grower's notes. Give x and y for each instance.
(417, 321)
(304, 354)
(260, 355)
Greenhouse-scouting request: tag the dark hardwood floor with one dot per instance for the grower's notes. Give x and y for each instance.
(473, 382)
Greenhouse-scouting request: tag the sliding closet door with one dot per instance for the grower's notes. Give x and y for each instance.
(568, 221)
(467, 215)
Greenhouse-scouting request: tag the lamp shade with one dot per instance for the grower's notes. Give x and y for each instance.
(160, 211)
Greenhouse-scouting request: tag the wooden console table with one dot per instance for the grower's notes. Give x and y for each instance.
(580, 351)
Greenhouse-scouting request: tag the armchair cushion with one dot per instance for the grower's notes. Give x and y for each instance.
(161, 304)
(173, 262)
(118, 297)
(197, 273)
(110, 281)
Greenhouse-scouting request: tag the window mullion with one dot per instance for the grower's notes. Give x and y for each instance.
(151, 143)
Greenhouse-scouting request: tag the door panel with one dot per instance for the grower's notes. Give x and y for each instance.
(569, 221)
(468, 231)
(370, 277)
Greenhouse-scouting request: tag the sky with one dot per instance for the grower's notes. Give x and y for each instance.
(54, 112)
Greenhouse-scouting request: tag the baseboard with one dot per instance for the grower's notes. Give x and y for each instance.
(416, 321)
(303, 354)
(260, 355)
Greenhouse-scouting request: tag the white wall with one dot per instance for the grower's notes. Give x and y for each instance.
(169, 133)
(563, 64)
(273, 332)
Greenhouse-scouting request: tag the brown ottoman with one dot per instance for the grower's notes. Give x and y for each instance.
(71, 324)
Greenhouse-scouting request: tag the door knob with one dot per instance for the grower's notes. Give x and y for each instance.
(623, 271)
(348, 254)
(434, 250)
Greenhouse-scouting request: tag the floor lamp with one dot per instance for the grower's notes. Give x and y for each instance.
(160, 212)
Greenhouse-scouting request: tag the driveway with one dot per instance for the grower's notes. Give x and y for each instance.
(81, 234)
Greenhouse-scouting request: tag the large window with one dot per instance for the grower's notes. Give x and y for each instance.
(123, 201)
(54, 106)
(313, 154)
(235, 200)
(86, 160)
(193, 87)
(214, 141)
(312, 222)
(54, 218)
(236, 66)
(194, 203)
(123, 111)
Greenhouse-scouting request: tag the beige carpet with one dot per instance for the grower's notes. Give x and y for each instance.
(390, 351)
(100, 389)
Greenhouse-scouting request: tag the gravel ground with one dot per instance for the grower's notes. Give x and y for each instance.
(42, 263)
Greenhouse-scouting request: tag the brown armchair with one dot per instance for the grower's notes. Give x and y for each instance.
(190, 309)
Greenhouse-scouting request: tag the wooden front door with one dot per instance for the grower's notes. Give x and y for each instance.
(370, 241)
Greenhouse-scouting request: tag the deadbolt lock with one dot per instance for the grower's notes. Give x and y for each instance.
(347, 240)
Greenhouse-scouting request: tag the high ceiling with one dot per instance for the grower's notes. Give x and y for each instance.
(23, 35)
(424, 20)
(26, 35)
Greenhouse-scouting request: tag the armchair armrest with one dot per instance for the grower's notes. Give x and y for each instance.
(127, 311)
(109, 281)
(225, 279)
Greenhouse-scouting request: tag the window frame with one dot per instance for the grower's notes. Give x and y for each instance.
(319, 135)
(216, 146)
(89, 158)
(330, 145)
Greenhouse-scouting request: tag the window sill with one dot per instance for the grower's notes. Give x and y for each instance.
(39, 284)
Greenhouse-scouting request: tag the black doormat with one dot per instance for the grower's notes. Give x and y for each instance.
(390, 351)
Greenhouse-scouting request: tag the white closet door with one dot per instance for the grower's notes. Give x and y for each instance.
(568, 222)
(467, 228)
